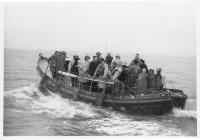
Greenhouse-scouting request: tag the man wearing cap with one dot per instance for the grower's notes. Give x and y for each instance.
(98, 54)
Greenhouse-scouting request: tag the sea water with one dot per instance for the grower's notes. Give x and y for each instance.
(28, 112)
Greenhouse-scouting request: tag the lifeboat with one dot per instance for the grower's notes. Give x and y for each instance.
(115, 95)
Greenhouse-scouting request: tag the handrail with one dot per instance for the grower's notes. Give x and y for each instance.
(85, 78)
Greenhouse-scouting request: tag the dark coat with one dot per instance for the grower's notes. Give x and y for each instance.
(144, 66)
(142, 82)
(92, 67)
(108, 59)
(158, 80)
(74, 68)
(67, 65)
(151, 81)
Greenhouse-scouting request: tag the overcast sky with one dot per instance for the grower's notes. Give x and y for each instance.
(166, 27)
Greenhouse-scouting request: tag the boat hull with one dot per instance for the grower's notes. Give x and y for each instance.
(135, 104)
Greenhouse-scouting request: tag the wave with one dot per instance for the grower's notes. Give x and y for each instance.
(29, 99)
(187, 114)
(54, 106)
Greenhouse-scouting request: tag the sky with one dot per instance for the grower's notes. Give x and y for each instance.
(148, 27)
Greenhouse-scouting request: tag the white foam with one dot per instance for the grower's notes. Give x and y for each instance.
(120, 125)
(185, 113)
(53, 105)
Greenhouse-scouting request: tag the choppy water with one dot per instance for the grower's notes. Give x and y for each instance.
(28, 112)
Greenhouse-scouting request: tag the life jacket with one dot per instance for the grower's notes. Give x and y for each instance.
(117, 72)
(74, 68)
(151, 82)
(142, 81)
(92, 67)
(133, 70)
(101, 69)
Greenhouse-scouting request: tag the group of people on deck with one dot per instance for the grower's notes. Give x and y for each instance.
(136, 75)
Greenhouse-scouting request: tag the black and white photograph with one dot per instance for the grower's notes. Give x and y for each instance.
(100, 68)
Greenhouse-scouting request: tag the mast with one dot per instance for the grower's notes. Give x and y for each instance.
(106, 42)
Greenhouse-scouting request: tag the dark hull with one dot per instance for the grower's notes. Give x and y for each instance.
(150, 104)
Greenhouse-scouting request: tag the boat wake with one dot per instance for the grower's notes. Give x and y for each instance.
(101, 121)
(32, 100)
(188, 114)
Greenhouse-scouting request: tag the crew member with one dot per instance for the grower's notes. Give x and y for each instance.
(73, 68)
(143, 65)
(93, 65)
(52, 62)
(102, 72)
(98, 54)
(84, 67)
(158, 78)
(109, 59)
(133, 72)
(116, 62)
(142, 81)
(151, 81)
(137, 57)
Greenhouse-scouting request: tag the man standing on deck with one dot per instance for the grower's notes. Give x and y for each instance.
(158, 78)
(102, 70)
(136, 58)
(98, 54)
(143, 65)
(133, 72)
(142, 81)
(93, 65)
(109, 59)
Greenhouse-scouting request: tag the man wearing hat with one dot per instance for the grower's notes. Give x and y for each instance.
(98, 54)
(143, 65)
